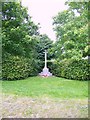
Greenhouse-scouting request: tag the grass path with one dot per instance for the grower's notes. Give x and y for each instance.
(38, 97)
(52, 87)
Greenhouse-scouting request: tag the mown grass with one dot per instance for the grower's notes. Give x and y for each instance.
(53, 87)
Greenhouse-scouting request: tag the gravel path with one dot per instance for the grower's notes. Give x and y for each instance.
(25, 107)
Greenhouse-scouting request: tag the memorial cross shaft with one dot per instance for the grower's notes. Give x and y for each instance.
(45, 59)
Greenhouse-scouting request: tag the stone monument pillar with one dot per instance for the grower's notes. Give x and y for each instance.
(45, 71)
(45, 59)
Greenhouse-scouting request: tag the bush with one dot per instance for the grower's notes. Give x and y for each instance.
(72, 69)
(14, 67)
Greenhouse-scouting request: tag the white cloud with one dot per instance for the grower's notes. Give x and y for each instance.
(42, 12)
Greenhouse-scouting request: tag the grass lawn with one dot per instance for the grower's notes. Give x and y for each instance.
(38, 97)
(52, 87)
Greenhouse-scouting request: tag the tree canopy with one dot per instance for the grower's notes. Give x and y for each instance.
(17, 30)
(71, 28)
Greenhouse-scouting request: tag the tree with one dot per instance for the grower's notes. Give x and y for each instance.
(44, 43)
(71, 27)
(17, 30)
(19, 44)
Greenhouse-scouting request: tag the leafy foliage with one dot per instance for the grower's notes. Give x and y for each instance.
(14, 67)
(19, 44)
(72, 69)
(71, 27)
(21, 39)
(17, 29)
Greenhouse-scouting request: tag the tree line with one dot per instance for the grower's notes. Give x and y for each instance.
(23, 46)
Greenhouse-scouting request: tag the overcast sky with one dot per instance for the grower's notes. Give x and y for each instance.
(42, 12)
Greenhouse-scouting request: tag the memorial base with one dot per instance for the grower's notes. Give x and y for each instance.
(45, 72)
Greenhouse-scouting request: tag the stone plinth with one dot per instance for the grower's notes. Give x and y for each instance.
(45, 72)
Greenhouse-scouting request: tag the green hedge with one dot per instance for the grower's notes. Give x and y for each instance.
(14, 67)
(71, 69)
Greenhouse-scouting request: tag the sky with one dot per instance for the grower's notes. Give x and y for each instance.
(42, 11)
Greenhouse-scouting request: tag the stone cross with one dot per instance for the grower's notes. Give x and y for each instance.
(45, 59)
(45, 72)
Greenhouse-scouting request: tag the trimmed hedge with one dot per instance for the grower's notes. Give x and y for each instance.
(14, 68)
(71, 69)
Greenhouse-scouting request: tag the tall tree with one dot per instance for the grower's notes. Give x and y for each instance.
(44, 43)
(19, 42)
(71, 27)
(17, 30)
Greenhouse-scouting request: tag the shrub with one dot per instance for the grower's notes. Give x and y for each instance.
(14, 67)
(72, 69)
